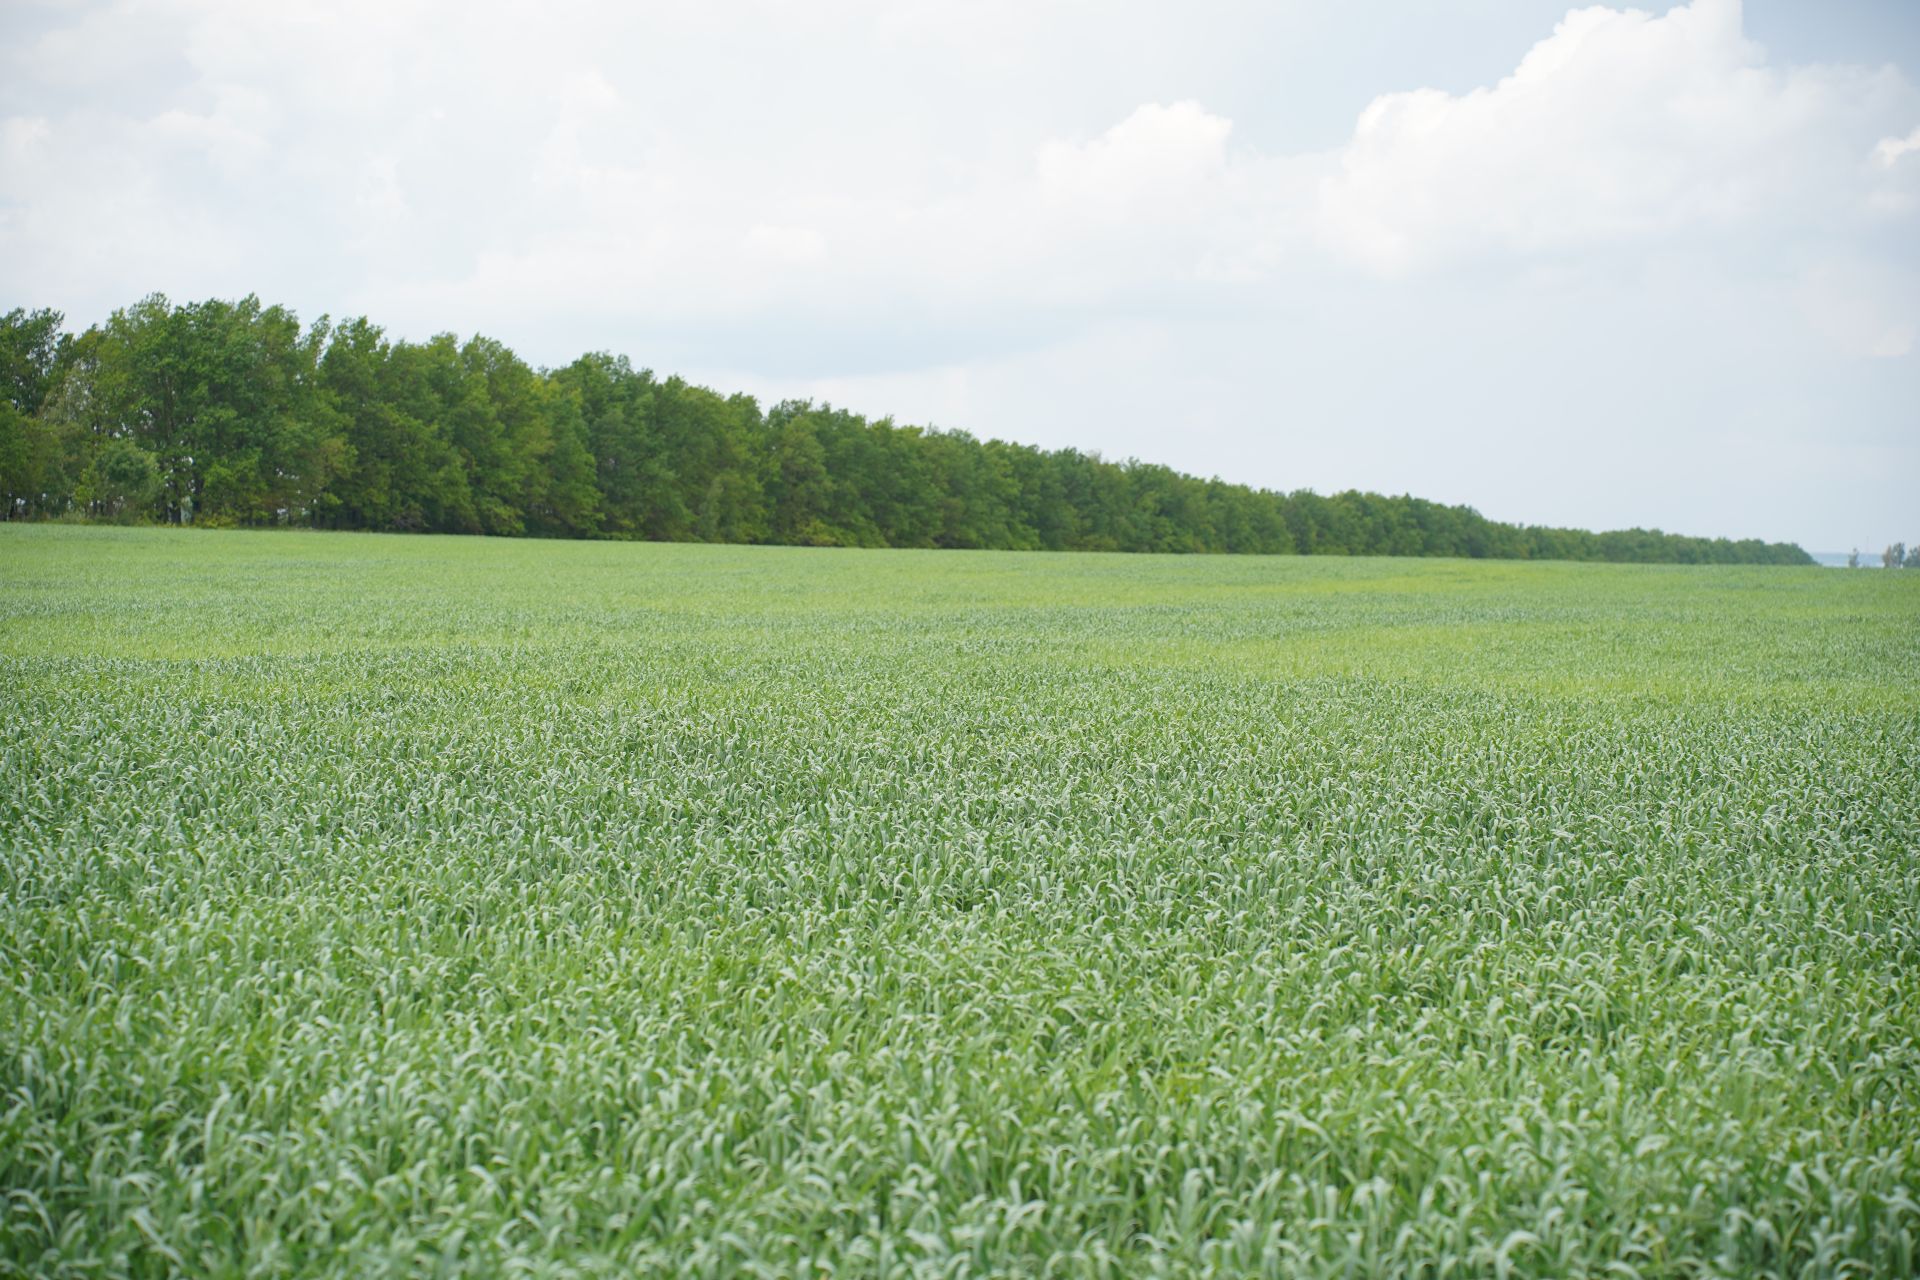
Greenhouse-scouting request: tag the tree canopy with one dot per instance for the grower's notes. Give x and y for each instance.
(232, 413)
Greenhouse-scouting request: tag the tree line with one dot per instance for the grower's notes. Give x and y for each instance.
(1897, 556)
(232, 413)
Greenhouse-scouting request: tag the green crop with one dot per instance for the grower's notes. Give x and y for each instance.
(415, 906)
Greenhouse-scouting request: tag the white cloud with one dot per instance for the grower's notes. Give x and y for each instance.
(568, 168)
(1893, 343)
(787, 245)
(1862, 308)
(1887, 152)
(1619, 126)
(876, 196)
(23, 136)
(1157, 154)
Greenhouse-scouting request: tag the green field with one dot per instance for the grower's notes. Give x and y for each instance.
(380, 905)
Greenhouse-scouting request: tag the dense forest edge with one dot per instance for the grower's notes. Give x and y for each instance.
(224, 413)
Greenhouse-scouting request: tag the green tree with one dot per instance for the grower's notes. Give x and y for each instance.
(31, 344)
(121, 481)
(249, 419)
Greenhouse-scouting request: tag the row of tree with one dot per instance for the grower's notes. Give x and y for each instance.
(1897, 556)
(232, 413)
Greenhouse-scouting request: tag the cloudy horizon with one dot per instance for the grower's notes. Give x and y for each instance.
(1601, 268)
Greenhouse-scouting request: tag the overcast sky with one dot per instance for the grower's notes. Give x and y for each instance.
(1605, 267)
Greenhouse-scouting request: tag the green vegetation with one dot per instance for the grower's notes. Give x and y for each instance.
(435, 906)
(221, 413)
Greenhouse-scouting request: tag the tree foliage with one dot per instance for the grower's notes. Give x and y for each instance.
(231, 413)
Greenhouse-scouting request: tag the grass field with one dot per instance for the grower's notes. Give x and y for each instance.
(378, 905)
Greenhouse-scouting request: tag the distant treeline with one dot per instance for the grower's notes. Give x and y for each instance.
(231, 413)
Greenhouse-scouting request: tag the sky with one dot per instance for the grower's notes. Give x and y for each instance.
(1598, 267)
